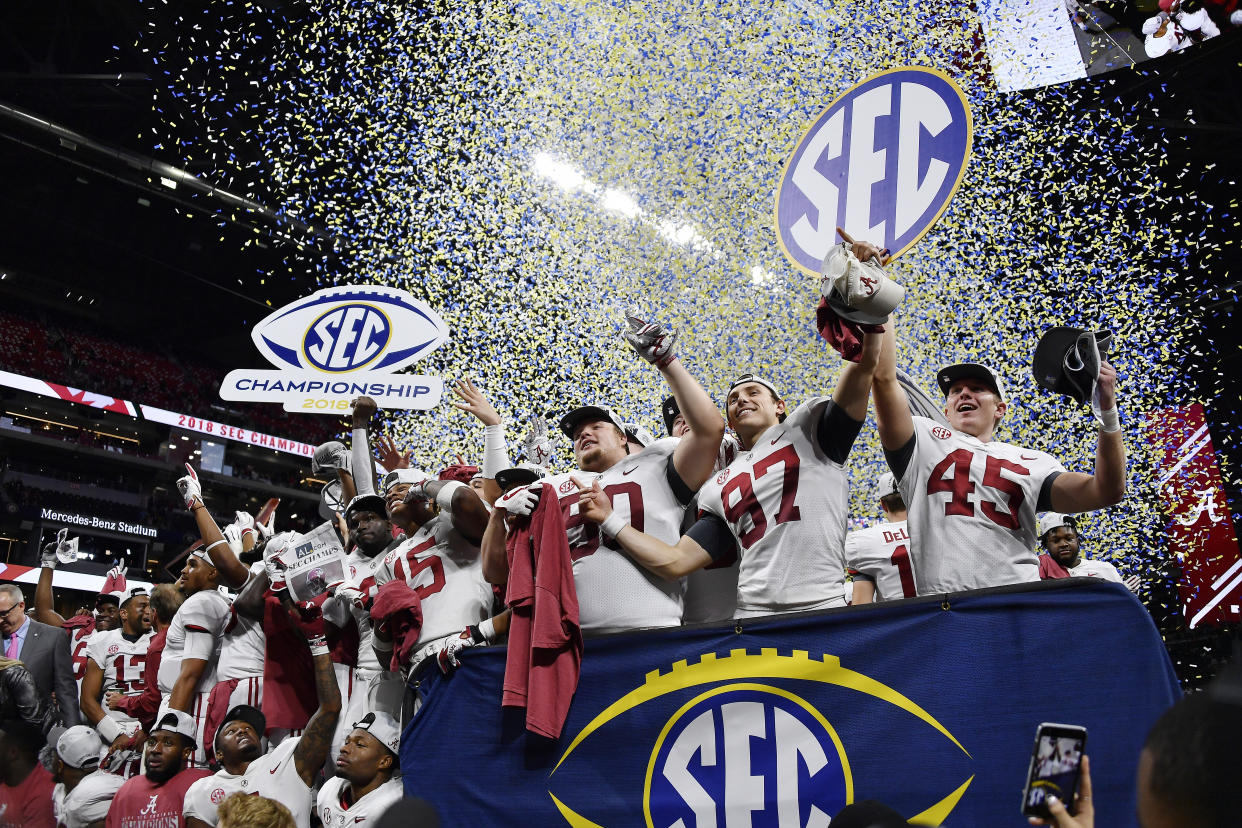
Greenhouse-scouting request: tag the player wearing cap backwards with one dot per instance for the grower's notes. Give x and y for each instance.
(878, 557)
(83, 792)
(116, 663)
(972, 499)
(80, 627)
(650, 490)
(287, 773)
(367, 782)
(157, 798)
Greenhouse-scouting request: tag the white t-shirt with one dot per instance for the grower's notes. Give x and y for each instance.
(242, 648)
(273, 775)
(446, 571)
(366, 810)
(124, 665)
(1091, 568)
(971, 509)
(88, 802)
(881, 554)
(196, 631)
(785, 501)
(614, 592)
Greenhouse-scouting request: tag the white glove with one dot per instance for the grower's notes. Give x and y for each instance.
(233, 536)
(537, 445)
(276, 556)
(521, 501)
(652, 342)
(191, 490)
(446, 659)
(117, 572)
(352, 597)
(330, 456)
(48, 558)
(266, 530)
(243, 521)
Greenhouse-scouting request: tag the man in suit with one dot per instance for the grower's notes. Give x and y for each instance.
(43, 649)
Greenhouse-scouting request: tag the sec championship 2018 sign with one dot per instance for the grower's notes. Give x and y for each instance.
(928, 704)
(882, 161)
(340, 343)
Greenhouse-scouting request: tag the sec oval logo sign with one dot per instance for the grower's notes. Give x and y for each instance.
(351, 328)
(882, 161)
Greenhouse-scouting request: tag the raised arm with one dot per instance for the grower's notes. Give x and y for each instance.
(695, 456)
(363, 464)
(669, 562)
(853, 389)
(1077, 492)
(495, 450)
(492, 549)
(233, 573)
(469, 515)
(892, 408)
(44, 601)
(316, 742)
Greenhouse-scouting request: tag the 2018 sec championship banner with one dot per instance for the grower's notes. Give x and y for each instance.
(929, 705)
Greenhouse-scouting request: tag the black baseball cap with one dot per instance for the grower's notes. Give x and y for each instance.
(368, 502)
(587, 413)
(245, 713)
(1065, 363)
(519, 475)
(950, 374)
(671, 409)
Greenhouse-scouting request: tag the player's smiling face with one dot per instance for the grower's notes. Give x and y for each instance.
(106, 614)
(753, 409)
(973, 407)
(598, 445)
(405, 514)
(134, 615)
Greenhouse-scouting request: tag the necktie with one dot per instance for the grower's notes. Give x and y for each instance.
(11, 650)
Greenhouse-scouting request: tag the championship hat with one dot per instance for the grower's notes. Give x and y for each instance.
(639, 434)
(382, 727)
(670, 409)
(244, 713)
(398, 476)
(519, 475)
(861, 292)
(588, 413)
(885, 486)
(330, 456)
(1067, 360)
(950, 374)
(178, 721)
(367, 502)
(80, 747)
(1054, 520)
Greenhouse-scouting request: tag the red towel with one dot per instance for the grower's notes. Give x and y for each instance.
(843, 335)
(400, 610)
(289, 698)
(217, 706)
(545, 641)
(85, 621)
(1049, 568)
(145, 705)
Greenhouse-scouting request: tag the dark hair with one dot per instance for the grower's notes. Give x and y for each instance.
(893, 502)
(1069, 521)
(1195, 762)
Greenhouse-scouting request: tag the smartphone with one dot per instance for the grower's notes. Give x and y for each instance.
(1056, 761)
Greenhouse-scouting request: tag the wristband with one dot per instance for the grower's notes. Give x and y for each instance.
(211, 546)
(380, 645)
(444, 497)
(486, 631)
(108, 729)
(613, 525)
(318, 646)
(1110, 420)
(495, 452)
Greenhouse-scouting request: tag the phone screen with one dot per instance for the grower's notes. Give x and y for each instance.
(1054, 767)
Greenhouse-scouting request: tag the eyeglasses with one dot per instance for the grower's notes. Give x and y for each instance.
(5, 613)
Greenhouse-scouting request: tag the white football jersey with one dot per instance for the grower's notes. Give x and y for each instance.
(785, 501)
(1092, 568)
(124, 665)
(333, 813)
(89, 801)
(446, 571)
(971, 509)
(78, 642)
(242, 649)
(614, 592)
(196, 631)
(273, 775)
(882, 554)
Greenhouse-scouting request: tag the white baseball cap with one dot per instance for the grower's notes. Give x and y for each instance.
(885, 486)
(80, 747)
(382, 727)
(398, 476)
(1054, 520)
(178, 721)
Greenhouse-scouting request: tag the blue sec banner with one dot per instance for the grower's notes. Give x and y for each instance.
(929, 705)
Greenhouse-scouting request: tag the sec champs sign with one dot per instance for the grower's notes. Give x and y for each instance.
(340, 343)
(882, 161)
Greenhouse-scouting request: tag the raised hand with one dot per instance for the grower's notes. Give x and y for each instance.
(537, 445)
(593, 503)
(652, 341)
(363, 409)
(473, 401)
(191, 490)
(390, 456)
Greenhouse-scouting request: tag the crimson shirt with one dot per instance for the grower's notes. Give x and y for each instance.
(29, 805)
(140, 803)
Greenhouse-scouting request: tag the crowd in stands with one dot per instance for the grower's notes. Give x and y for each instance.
(281, 663)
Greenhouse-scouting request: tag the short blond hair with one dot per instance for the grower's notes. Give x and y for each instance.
(242, 811)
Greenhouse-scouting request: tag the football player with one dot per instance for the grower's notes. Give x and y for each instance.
(972, 498)
(368, 780)
(649, 489)
(117, 661)
(1058, 534)
(878, 557)
(286, 773)
(780, 506)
